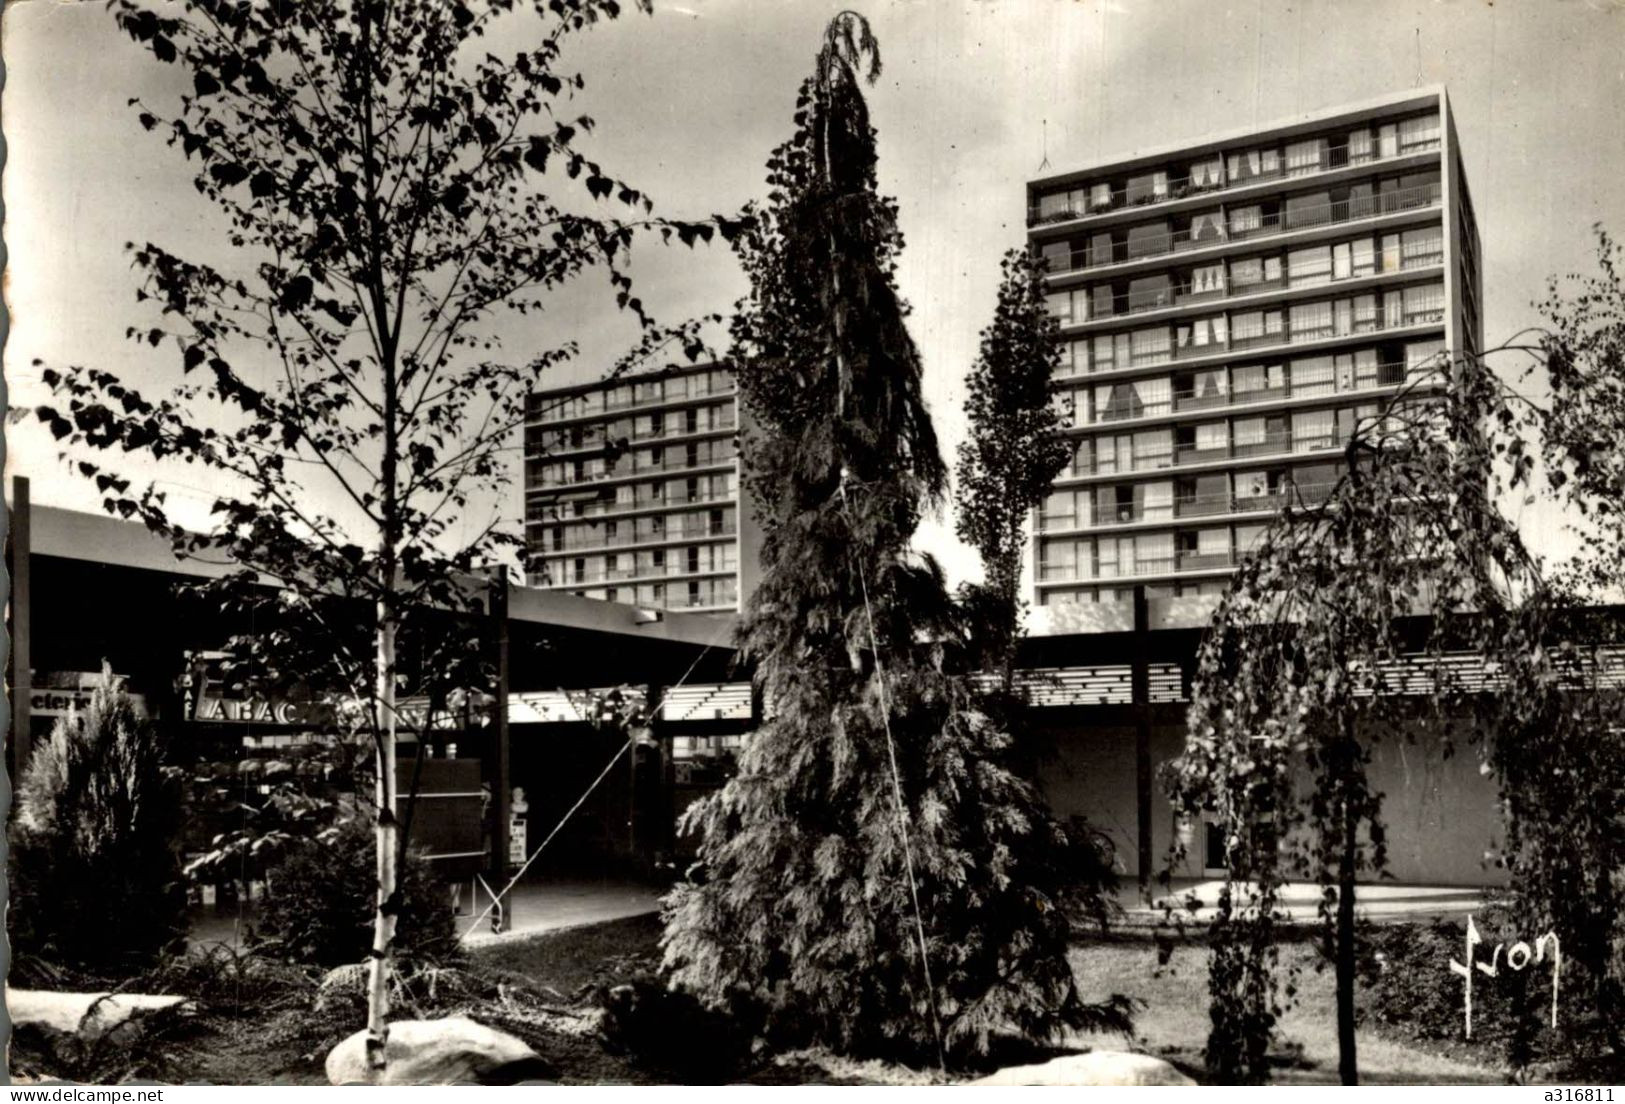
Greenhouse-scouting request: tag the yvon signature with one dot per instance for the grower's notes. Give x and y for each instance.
(1518, 956)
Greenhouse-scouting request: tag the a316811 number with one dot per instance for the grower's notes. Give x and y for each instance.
(1580, 1096)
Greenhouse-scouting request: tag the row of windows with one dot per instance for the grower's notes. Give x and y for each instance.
(644, 427)
(1209, 548)
(695, 454)
(1091, 595)
(1253, 219)
(1302, 431)
(1206, 495)
(721, 487)
(632, 393)
(694, 594)
(1216, 171)
(1300, 377)
(1305, 267)
(696, 559)
(646, 529)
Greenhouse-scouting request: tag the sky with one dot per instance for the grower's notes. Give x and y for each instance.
(975, 98)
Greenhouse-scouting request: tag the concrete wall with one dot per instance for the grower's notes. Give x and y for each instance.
(1441, 814)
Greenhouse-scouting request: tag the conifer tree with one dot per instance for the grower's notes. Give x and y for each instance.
(1014, 450)
(874, 811)
(95, 863)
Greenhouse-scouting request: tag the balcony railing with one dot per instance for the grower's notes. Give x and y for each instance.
(573, 542)
(564, 410)
(1388, 374)
(649, 573)
(1273, 225)
(1335, 157)
(1191, 506)
(1177, 295)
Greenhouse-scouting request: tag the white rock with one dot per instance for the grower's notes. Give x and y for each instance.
(1098, 1067)
(67, 1011)
(448, 1051)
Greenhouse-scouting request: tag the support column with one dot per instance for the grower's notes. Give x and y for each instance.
(18, 550)
(1140, 695)
(499, 772)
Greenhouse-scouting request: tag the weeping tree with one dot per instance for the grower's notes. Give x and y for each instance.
(1563, 778)
(1336, 636)
(399, 181)
(875, 878)
(1013, 452)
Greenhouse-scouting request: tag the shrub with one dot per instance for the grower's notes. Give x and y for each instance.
(320, 896)
(95, 868)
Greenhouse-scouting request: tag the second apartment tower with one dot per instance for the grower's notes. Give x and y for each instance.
(1229, 308)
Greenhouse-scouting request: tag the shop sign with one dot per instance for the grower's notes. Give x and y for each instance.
(58, 693)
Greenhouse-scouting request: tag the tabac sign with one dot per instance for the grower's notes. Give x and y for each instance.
(206, 697)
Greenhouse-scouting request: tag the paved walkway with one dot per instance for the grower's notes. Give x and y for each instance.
(1380, 902)
(534, 908)
(539, 907)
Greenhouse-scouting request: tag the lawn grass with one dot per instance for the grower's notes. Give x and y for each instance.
(1174, 1020)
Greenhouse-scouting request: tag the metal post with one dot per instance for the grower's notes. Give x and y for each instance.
(1140, 693)
(500, 769)
(18, 551)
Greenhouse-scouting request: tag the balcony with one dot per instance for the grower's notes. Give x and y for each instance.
(1385, 375)
(572, 408)
(1270, 226)
(1181, 187)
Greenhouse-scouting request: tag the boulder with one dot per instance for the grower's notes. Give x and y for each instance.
(88, 1015)
(449, 1051)
(1097, 1067)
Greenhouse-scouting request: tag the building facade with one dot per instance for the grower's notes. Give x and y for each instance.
(1229, 310)
(632, 490)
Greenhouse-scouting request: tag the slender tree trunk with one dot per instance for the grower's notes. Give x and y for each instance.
(1347, 1065)
(383, 926)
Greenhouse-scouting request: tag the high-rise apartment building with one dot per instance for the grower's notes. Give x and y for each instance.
(632, 490)
(1229, 308)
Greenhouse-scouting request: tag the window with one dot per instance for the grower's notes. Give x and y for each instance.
(1148, 239)
(1253, 163)
(1153, 552)
(1149, 292)
(1202, 335)
(1212, 437)
(1248, 536)
(1207, 228)
(1360, 147)
(1059, 511)
(1311, 320)
(1207, 173)
(1207, 280)
(1253, 271)
(1424, 303)
(1136, 399)
(1246, 220)
(1305, 157)
(1152, 449)
(1249, 432)
(1421, 356)
(1068, 307)
(1307, 210)
(1054, 206)
(1420, 133)
(1074, 357)
(1256, 327)
(1057, 256)
(1420, 247)
(1147, 187)
(1313, 430)
(1255, 381)
(1148, 346)
(1309, 266)
(1058, 559)
(1111, 351)
(1312, 376)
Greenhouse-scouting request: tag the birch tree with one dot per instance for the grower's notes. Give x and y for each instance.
(399, 178)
